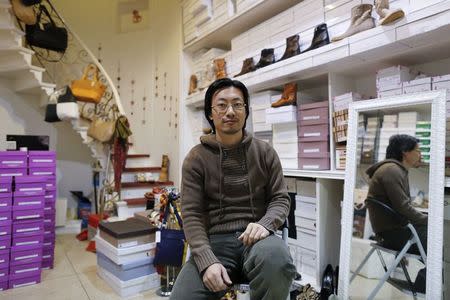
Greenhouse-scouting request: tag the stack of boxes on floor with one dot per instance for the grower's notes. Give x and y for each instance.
(304, 248)
(313, 136)
(340, 125)
(125, 254)
(27, 211)
(259, 102)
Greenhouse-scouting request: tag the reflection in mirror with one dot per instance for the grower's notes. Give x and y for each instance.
(390, 204)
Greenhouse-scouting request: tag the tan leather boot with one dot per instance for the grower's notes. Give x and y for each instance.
(289, 96)
(219, 65)
(387, 15)
(248, 65)
(192, 84)
(361, 21)
(164, 175)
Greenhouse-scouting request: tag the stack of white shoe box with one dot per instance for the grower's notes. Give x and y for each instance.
(389, 81)
(388, 129)
(369, 154)
(259, 102)
(125, 254)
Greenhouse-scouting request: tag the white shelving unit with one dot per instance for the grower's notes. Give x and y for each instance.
(420, 41)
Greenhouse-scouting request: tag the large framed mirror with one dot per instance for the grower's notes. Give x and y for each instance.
(369, 224)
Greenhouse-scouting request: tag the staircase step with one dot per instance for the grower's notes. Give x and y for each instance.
(145, 184)
(142, 169)
(136, 201)
(138, 155)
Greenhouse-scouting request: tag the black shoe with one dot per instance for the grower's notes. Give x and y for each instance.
(336, 279)
(292, 47)
(321, 37)
(267, 58)
(327, 283)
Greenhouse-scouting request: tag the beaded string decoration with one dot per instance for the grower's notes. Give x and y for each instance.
(99, 52)
(132, 98)
(176, 118)
(118, 78)
(165, 91)
(144, 113)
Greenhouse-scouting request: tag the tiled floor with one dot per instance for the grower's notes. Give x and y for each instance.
(74, 277)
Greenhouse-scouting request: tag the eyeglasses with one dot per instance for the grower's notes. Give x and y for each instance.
(222, 108)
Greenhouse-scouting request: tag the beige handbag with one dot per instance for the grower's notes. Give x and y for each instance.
(102, 130)
(24, 13)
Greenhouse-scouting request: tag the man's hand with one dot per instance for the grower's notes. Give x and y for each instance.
(216, 278)
(253, 233)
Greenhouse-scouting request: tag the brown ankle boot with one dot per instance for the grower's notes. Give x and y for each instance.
(219, 65)
(289, 96)
(247, 66)
(387, 15)
(164, 175)
(292, 47)
(267, 58)
(361, 20)
(192, 84)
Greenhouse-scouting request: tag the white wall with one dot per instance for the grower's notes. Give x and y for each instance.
(21, 114)
(139, 54)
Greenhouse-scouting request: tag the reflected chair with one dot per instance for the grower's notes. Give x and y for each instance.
(245, 287)
(400, 256)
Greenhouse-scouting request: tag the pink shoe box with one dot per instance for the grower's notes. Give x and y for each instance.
(26, 256)
(4, 273)
(5, 228)
(50, 198)
(28, 228)
(22, 215)
(42, 171)
(30, 184)
(20, 282)
(24, 201)
(10, 172)
(25, 270)
(5, 184)
(4, 258)
(313, 113)
(49, 244)
(313, 149)
(50, 184)
(313, 164)
(313, 133)
(4, 282)
(5, 215)
(47, 264)
(20, 243)
(5, 201)
(50, 238)
(49, 209)
(5, 242)
(41, 159)
(49, 225)
(13, 159)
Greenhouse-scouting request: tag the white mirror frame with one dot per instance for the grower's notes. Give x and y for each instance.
(437, 100)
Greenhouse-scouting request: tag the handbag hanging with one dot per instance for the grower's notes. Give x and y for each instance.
(170, 251)
(88, 90)
(67, 107)
(24, 12)
(46, 35)
(30, 2)
(51, 115)
(101, 130)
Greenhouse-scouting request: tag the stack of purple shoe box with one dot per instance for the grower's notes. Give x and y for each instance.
(25, 217)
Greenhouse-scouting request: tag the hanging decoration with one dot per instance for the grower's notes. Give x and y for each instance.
(99, 53)
(144, 113)
(118, 78)
(132, 98)
(165, 91)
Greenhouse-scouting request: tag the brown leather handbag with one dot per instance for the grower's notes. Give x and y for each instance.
(88, 88)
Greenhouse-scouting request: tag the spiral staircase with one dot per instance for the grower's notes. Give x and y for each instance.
(39, 72)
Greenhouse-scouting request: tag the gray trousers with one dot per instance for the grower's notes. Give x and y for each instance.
(267, 266)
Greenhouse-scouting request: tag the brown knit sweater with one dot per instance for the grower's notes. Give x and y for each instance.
(389, 184)
(223, 190)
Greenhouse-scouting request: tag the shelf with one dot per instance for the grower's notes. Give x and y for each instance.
(138, 156)
(418, 38)
(196, 100)
(142, 169)
(328, 174)
(220, 36)
(145, 184)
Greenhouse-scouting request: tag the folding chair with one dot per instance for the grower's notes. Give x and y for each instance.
(245, 287)
(400, 257)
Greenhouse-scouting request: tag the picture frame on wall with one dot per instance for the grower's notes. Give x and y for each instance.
(133, 15)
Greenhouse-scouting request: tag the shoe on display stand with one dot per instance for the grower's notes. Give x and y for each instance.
(321, 37)
(289, 96)
(361, 20)
(248, 65)
(327, 283)
(387, 16)
(292, 47)
(219, 66)
(192, 84)
(267, 58)
(164, 175)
